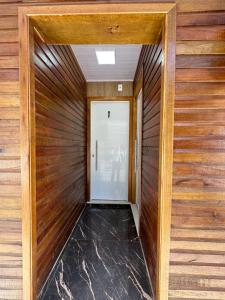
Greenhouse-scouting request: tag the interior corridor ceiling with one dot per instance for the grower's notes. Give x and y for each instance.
(126, 60)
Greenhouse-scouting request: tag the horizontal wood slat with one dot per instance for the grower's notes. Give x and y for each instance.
(200, 47)
(199, 19)
(200, 75)
(200, 5)
(199, 33)
(200, 61)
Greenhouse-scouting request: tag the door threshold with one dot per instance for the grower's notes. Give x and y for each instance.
(107, 202)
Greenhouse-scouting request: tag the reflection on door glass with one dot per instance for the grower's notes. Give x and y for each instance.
(110, 181)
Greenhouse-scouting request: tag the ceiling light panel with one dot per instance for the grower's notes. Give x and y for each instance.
(105, 57)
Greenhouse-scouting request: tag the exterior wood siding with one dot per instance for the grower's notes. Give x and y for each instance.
(149, 68)
(10, 190)
(197, 269)
(61, 142)
(197, 241)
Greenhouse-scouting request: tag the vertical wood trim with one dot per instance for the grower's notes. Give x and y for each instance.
(28, 161)
(130, 166)
(166, 153)
(134, 136)
(32, 120)
(139, 84)
(88, 149)
(136, 90)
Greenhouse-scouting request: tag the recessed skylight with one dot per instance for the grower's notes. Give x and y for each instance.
(105, 57)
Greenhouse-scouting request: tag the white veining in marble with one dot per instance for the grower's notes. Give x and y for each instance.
(102, 260)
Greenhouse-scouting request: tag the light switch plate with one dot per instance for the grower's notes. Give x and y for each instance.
(120, 87)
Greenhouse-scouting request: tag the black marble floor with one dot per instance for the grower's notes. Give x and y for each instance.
(102, 260)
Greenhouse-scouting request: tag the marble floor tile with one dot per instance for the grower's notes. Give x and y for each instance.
(106, 222)
(96, 265)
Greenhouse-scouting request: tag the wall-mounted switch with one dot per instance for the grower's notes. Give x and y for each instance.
(120, 87)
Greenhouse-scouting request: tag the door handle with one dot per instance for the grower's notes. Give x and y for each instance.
(96, 155)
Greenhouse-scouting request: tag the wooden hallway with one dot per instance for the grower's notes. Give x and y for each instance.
(45, 136)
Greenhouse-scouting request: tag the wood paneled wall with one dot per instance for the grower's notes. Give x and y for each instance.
(61, 138)
(149, 68)
(196, 253)
(197, 264)
(109, 89)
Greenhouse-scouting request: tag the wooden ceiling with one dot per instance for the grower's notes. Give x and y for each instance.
(135, 28)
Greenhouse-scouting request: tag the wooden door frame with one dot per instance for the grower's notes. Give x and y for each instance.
(140, 91)
(113, 99)
(29, 16)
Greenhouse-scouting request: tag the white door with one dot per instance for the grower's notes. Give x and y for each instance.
(139, 150)
(109, 150)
